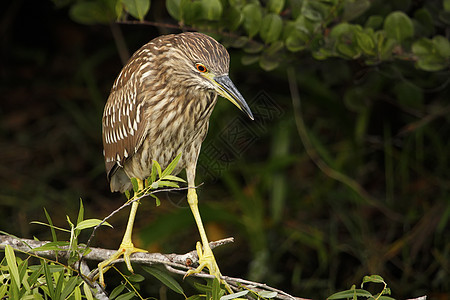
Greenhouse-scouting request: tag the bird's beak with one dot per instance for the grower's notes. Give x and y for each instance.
(226, 89)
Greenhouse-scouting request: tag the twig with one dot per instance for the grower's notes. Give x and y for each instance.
(98, 291)
(247, 284)
(120, 42)
(127, 204)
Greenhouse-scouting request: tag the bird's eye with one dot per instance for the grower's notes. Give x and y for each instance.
(201, 68)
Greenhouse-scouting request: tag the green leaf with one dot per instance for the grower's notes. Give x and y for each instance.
(69, 287)
(372, 278)
(3, 290)
(253, 47)
(252, 18)
(173, 7)
(385, 46)
(386, 298)
(59, 279)
(174, 178)
(446, 4)
(135, 184)
(232, 18)
(153, 174)
(127, 194)
(428, 57)
(275, 6)
(52, 246)
(314, 11)
(211, 9)
(354, 8)
(12, 264)
(13, 293)
(267, 294)
(90, 12)
(158, 167)
(346, 41)
(89, 223)
(374, 22)
(126, 296)
(157, 201)
(137, 8)
(424, 22)
(268, 63)
(215, 291)
(116, 292)
(422, 47)
(442, 46)
(297, 41)
(23, 275)
(235, 295)
(365, 41)
(350, 294)
(296, 8)
(48, 279)
(165, 278)
(398, 26)
(34, 275)
(191, 11)
(249, 59)
(165, 183)
(77, 293)
(80, 212)
(87, 291)
(52, 229)
(348, 51)
(136, 278)
(171, 166)
(196, 297)
(271, 28)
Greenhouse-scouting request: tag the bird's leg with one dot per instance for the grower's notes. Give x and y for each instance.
(205, 255)
(126, 247)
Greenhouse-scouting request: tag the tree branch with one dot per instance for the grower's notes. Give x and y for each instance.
(174, 263)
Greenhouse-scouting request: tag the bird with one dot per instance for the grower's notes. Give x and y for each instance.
(158, 108)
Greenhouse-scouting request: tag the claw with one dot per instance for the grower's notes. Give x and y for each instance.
(125, 250)
(206, 259)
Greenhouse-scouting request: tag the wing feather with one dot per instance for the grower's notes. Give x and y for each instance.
(123, 119)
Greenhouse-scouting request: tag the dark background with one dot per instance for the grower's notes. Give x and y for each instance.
(295, 227)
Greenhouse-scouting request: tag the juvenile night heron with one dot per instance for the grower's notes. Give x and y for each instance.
(159, 106)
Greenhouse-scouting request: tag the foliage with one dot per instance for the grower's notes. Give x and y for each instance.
(54, 279)
(354, 293)
(278, 29)
(22, 279)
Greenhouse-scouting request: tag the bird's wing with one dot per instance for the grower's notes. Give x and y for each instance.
(123, 122)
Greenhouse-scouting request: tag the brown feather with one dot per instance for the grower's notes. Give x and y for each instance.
(158, 106)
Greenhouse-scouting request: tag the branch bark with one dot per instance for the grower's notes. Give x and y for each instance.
(175, 263)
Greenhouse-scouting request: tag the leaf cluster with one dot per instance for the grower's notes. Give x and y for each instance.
(157, 179)
(354, 293)
(272, 31)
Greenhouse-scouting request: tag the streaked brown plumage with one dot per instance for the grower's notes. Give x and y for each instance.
(159, 106)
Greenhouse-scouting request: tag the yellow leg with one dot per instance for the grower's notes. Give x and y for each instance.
(126, 247)
(205, 255)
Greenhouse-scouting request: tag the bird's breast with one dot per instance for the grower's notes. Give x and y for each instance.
(177, 125)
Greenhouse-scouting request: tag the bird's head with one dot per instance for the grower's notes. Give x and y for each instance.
(208, 64)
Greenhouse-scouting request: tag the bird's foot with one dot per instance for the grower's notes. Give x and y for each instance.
(206, 259)
(125, 250)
